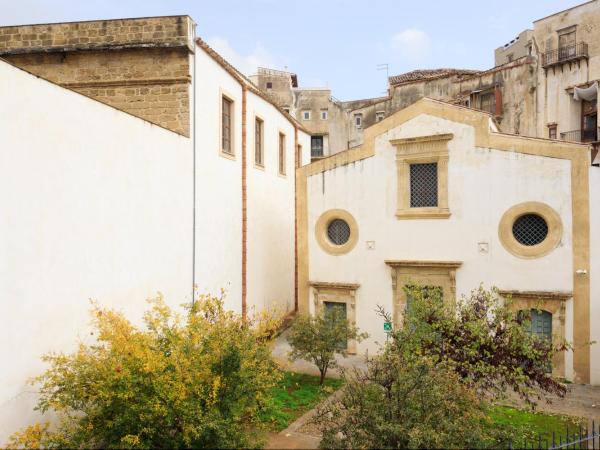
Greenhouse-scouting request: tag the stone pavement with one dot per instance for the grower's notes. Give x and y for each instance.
(281, 348)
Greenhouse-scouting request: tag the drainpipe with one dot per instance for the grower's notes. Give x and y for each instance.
(297, 164)
(194, 174)
(244, 205)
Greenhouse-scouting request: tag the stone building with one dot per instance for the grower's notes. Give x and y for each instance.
(133, 159)
(141, 66)
(519, 47)
(323, 116)
(568, 46)
(530, 91)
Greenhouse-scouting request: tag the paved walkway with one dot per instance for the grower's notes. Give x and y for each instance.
(281, 349)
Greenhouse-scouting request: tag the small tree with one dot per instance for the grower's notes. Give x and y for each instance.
(484, 339)
(401, 403)
(318, 338)
(197, 381)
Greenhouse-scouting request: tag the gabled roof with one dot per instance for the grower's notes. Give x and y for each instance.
(486, 136)
(246, 82)
(427, 74)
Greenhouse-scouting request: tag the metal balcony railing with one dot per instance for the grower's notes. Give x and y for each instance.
(580, 135)
(565, 54)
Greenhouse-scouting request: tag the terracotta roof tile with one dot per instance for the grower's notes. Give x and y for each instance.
(428, 74)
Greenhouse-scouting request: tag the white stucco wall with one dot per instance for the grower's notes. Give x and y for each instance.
(270, 273)
(94, 203)
(218, 185)
(594, 274)
(483, 184)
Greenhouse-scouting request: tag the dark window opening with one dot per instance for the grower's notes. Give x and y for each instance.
(316, 146)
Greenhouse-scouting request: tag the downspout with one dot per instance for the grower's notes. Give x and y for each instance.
(244, 205)
(297, 164)
(194, 175)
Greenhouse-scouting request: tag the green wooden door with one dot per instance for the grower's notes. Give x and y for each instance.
(341, 310)
(541, 326)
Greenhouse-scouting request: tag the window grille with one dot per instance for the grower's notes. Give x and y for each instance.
(316, 146)
(423, 185)
(338, 231)
(530, 229)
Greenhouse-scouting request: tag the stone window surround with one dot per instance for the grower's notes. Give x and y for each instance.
(425, 273)
(321, 231)
(553, 302)
(281, 154)
(338, 293)
(508, 241)
(422, 150)
(306, 115)
(223, 94)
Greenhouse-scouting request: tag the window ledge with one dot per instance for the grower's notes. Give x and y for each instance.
(423, 213)
(227, 155)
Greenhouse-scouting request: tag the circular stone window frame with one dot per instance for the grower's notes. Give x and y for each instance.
(510, 243)
(321, 231)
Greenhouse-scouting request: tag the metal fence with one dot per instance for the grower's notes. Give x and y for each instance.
(580, 438)
(589, 135)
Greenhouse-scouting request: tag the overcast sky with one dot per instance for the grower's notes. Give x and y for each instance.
(335, 43)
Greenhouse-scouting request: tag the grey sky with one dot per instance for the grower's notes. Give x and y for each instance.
(337, 43)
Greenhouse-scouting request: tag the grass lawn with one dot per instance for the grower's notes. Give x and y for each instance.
(295, 394)
(527, 425)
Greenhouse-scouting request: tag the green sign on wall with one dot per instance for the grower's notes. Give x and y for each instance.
(387, 326)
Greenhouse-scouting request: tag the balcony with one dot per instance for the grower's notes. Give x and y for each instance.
(565, 54)
(590, 135)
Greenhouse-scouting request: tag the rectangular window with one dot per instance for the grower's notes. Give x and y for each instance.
(316, 146)
(423, 185)
(552, 131)
(324, 115)
(269, 85)
(306, 115)
(358, 120)
(258, 142)
(487, 102)
(379, 116)
(281, 154)
(226, 125)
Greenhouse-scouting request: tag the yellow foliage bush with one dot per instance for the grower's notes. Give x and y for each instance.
(192, 380)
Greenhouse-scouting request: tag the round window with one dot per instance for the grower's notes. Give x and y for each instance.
(530, 229)
(338, 231)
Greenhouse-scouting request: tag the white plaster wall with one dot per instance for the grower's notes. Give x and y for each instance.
(483, 184)
(594, 274)
(218, 185)
(304, 141)
(271, 215)
(94, 203)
